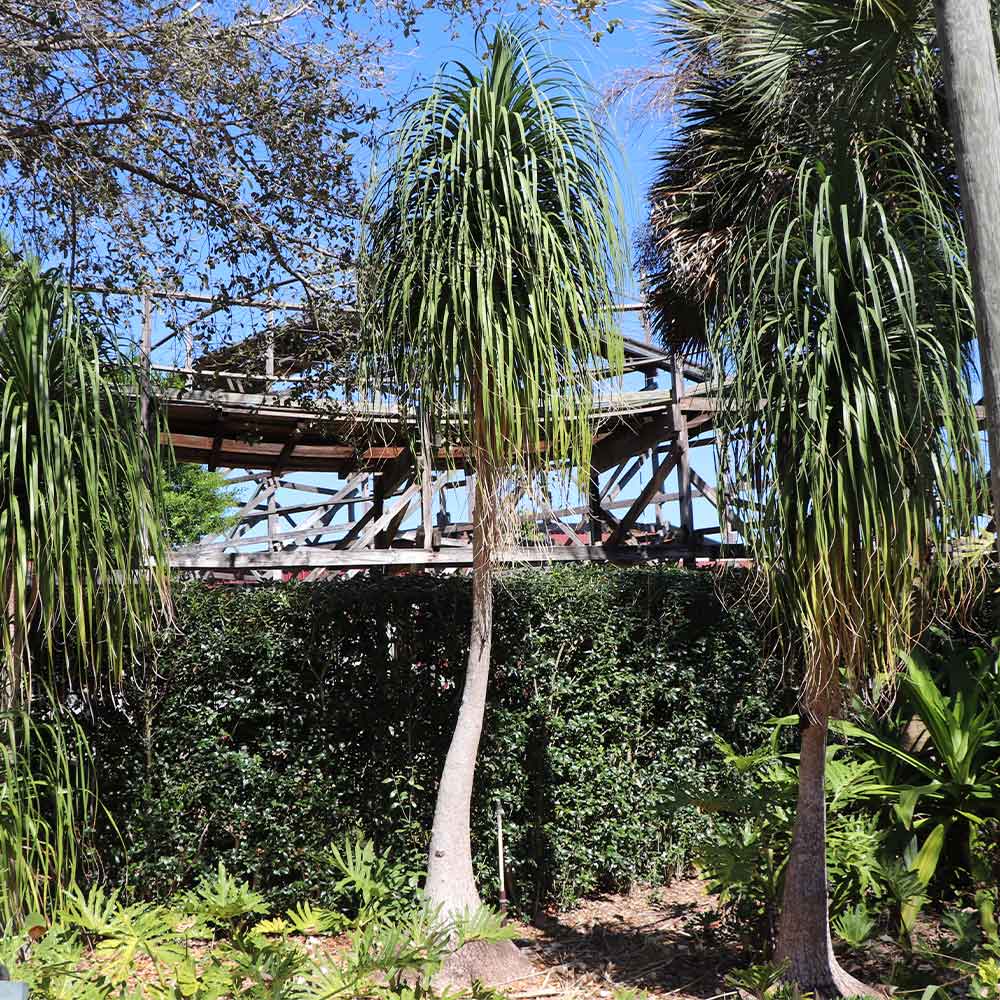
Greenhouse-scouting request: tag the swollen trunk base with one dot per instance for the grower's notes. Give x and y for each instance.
(492, 963)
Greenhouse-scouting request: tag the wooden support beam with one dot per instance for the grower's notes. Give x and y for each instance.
(728, 523)
(683, 452)
(217, 439)
(367, 527)
(287, 450)
(426, 482)
(631, 438)
(384, 484)
(645, 497)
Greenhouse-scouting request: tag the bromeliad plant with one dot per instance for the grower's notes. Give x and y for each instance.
(942, 756)
(492, 253)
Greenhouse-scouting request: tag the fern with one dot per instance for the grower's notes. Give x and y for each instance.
(222, 901)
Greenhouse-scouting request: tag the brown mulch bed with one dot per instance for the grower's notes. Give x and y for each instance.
(668, 942)
(650, 940)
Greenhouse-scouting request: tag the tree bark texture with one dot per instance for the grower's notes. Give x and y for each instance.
(965, 36)
(450, 881)
(804, 931)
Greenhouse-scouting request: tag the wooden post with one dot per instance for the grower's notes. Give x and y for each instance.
(272, 522)
(683, 450)
(596, 525)
(965, 35)
(189, 356)
(269, 355)
(426, 480)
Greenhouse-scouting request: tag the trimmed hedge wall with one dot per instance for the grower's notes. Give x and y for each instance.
(279, 718)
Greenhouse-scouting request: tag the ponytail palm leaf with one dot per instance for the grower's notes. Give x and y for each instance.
(849, 432)
(492, 256)
(81, 550)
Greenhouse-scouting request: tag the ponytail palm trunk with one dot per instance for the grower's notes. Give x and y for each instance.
(491, 254)
(450, 879)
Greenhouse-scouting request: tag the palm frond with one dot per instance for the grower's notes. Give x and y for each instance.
(849, 439)
(492, 253)
(763, 86)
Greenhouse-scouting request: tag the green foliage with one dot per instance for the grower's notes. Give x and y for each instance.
(80, 545)
(854, 926)
(381, 891)
(744, 859)
(761, 982)
(47, 808)
(493, 252)
(96, 947)
(225, 902)
(856, 496)
(195, 503)
(952, 772)
(279, 719)
(939, 760)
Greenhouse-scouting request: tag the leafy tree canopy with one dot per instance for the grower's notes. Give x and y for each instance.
(211, 142)
(195, 503)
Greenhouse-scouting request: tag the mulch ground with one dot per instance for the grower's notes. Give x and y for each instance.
(668, 942)
(651, 940)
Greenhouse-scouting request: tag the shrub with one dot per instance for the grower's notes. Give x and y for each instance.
(278, 719)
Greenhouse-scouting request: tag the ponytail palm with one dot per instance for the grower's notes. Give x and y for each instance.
(492, 256)
(81, 551)
(81, 560)
(850, 441)
(806, 229)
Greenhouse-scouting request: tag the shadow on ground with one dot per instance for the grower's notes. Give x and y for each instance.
(663, 942)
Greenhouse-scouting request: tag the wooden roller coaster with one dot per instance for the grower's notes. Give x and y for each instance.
(335, 487)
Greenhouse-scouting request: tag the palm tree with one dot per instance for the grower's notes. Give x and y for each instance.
(81, 551)
(807, 232)
(491, 258)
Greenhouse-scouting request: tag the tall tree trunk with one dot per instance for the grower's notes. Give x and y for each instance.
(451, 885)
(804, 931)
(965, 35)
(450, 882)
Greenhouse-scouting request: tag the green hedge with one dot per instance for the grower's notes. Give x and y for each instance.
(279, 718)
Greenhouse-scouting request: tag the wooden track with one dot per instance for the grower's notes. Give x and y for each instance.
(336, 488)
